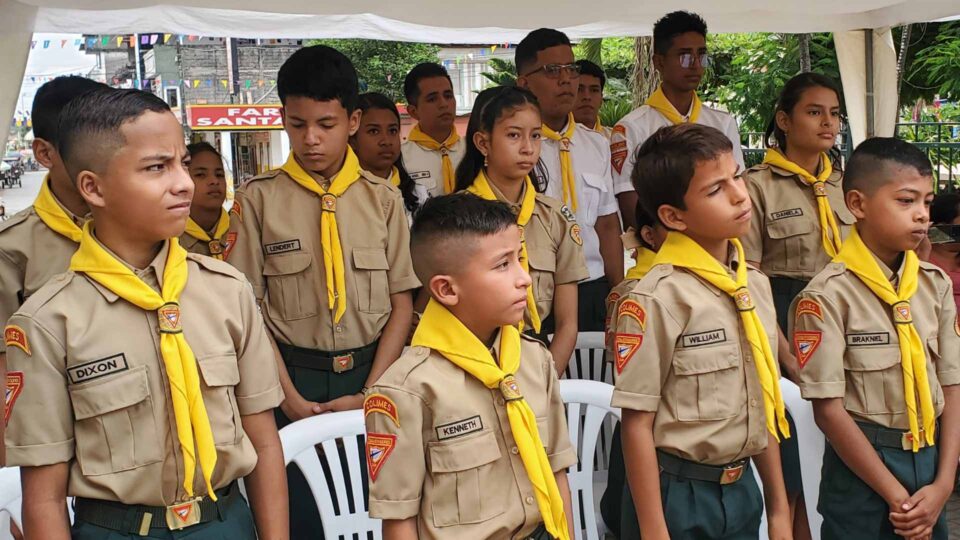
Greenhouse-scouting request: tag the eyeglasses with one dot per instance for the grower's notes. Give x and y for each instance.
(553, 71)
(687, 59)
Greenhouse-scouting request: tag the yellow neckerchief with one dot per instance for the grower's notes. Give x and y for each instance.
(329, 234)
(426, 141)
(566, 163)
(53, 215)
(829, 232)
(658, 100)
(645, 259)
(680, 250)
(442, 332)
(598, 126)
(197, 232)
(193, 425)
(395, 177)
(481, 188)
(860, 260)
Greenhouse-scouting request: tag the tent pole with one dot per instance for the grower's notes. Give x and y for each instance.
(868, 60)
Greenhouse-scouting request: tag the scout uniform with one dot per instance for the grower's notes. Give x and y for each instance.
(107, 406)
(433, 165)
(440, 443)
(326, 324)
(419, 191)
(606, 131)
(635, 128)
(553, 256)
(578, 169)
(35, 245)
(210, 243)
(848, 341)
(682, 350)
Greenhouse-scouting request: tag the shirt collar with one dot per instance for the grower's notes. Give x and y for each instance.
(152, 275)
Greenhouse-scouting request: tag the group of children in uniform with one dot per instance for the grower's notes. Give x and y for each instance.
(154, 373)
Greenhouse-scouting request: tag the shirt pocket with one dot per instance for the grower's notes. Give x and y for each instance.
(543, 429)
(791, 244)
(875, 381)
(221, 375)
(373, 290)
(588, 202)
(709, 383)
(543, 265)
(465, 482)
(114, 423)
(933, 346)
(290, 289)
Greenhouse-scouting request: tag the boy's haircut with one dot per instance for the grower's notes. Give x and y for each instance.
(425, 70)
(667, 161)
(320, 73)
(447, 226)
(674, 24)
(589, 68)
(200, 147)
(866, 170)
(89, 126)
(945, 208)
(533, 43)
(644, 219)
(51, 98)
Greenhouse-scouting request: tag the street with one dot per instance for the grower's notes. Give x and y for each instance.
(16, 199)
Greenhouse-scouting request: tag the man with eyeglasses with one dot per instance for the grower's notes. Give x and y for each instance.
(577, 160)
(680, 57)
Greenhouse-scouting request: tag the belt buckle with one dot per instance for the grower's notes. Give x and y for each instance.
(906, 441)
(731, 474)
(342, 363)
(183, 514)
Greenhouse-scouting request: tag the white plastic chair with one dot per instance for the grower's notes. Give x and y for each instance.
(331, 431)
(812, 443)
(588, 408)
(11, 500)
(589, 359)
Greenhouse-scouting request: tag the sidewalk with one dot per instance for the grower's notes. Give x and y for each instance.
(16, 199)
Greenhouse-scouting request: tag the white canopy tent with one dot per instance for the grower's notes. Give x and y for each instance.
(860, 25)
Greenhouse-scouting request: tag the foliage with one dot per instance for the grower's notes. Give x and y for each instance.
(504, 73)
(616, 55)
(935, 63)
(382, 65)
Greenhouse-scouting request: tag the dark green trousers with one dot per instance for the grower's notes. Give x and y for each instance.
(236, 523)
(699, 510)
(851, 510)
(319, 386)
(612, 499)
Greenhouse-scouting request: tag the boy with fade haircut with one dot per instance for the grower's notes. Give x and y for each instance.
(876, 336)
(466, 432)
(326, 247)
(151, 405)
(578, 166)
(696, 367)
(433, 148)
(590, 97)
(680, 56)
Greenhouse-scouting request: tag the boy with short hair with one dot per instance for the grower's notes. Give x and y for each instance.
(577, 161)
(326, 247)
(680, 56)
(433, 148)
(466, 432)
(877, 339)
(697, 375)
(149, 406)
(590, 97)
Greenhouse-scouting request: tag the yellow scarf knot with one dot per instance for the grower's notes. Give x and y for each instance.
(566, 162)
(427, 142)
(196, 231)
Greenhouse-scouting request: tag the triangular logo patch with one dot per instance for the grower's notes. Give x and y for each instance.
(804, 345)
(379, 448)
(625, 346)
(183, 511)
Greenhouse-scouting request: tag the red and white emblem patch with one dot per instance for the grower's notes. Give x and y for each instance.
(13, 389)
(625, 346)
(805, 343)
(635, 311)
(379, 448)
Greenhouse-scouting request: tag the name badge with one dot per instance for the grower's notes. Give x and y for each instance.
(98, 368)
(865, 340)
(459, 428)
(704, 338)
(420, 175)
(282, 247)
(793, 212)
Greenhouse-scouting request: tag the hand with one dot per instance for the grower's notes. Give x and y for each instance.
(344, 403)
(296, 408)
(779, 526)
(916, 516)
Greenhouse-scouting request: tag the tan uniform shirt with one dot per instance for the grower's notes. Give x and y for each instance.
(278, 247)
(453, 461)
(30, 254)
(95, 393)
(555, 256)
(426, 166)
(849, 347)
(610, 323)
(785, 235)
(693, 366)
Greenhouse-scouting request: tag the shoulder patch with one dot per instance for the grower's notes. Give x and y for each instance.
(807, 306)
(624, 347)
(379, 448)
(619, 129)
(568, 214)
(237, 210)
(12, 392)
(14, 336)
(379, 403)
(805, 344)
(618, 155)
(632, 309)
(228, 242)
(575, 234)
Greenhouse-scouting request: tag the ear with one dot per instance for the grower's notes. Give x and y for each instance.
(413, 111)
(646, 232)
(522, 82)
(658, 62)
(354, 121)
(90, 188)
(43, 152)
(783, 121)
(482, 140)
(856, 201)
(671, 217)
(443, 289)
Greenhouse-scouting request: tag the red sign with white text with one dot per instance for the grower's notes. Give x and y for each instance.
(234, 117)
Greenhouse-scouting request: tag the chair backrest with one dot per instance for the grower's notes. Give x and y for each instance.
(11, 499)
(334, 442)
(588, 408)
(589, 359)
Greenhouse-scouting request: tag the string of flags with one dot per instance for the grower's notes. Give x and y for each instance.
(125, 41)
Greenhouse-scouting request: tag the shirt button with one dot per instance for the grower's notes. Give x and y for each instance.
(529, 500)
(514, 450)
(753, 402)
(500, 401)
(339, 329)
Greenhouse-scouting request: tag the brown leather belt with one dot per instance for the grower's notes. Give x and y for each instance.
(691, 470)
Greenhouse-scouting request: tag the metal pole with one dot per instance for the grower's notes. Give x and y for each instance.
(868, 60)
(136, 61)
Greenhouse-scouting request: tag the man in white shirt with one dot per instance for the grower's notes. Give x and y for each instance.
(590, 97)
(577, 160)
(680, 56)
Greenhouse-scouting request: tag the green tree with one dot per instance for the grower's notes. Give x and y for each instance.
(932, 63)
(382, 65)
(504, 73)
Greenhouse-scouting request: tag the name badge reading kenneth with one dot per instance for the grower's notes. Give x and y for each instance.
(97, 368)
(282, 247)
(783, 214)
(460, 428)
(865, 340)
(704, 338)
